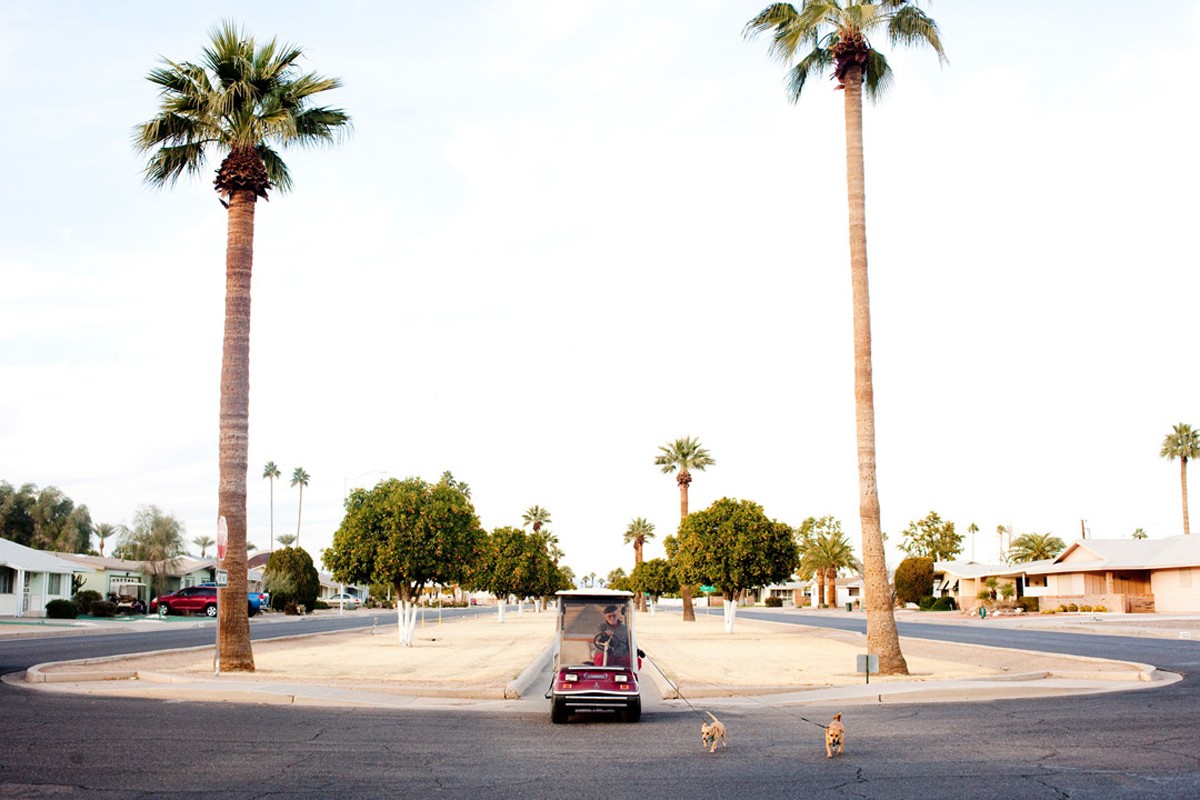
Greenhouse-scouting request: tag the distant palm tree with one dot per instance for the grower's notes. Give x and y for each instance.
(638, 532)
(825, 556)
(241, 102)
(684, 455)
(105, 531)
(271, 472)
(835, 36)
(1035, 547)
(299, 478)
(1140, 533)
(1182, 443)
(204, 542)
(535, 516)
(286, 539)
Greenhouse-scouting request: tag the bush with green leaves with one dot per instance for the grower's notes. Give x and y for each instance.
(914, 579)
(62, 609)
(942, 604)
(1030, 604)
(103, 608)
(290, 577)
(774, 601)
(85, 598)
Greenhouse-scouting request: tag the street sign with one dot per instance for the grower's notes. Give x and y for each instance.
(222, 538)
(222, 578)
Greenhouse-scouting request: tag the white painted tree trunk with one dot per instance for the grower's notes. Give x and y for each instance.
(408, 621)
(500, 604)
(730, 614)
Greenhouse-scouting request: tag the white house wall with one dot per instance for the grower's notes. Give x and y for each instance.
(1176, 591)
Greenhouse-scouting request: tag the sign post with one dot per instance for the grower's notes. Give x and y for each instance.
(868, 664)
(222, 580)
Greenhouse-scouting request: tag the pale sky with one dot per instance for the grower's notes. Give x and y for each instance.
(565, 233)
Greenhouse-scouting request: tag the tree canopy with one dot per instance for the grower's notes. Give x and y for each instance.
(1035, 547)
(157, 539)
(654, 577)
(44, 519)
(932, 537)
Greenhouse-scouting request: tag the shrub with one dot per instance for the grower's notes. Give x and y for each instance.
(103, 608)
(1063, 609)
(773, 602)
(85, 599)
(1030, 604)
(62, 609)
(914, 579)
(1085, 609)
(943, 604)
(291, 609)
(320, 605)
(984, 594)
(1100, 609)
(1072, 607)
(290, 577)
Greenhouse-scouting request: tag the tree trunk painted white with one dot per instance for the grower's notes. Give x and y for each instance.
(408, 621)
(730, 613)
(500, 604)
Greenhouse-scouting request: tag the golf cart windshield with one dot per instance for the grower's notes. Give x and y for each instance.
(595, 629)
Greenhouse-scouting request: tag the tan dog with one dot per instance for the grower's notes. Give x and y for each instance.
(712, 734)
(835, 735)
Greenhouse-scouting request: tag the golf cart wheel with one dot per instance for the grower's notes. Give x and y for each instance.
(558, 712)
(210, 611)
(633, 711)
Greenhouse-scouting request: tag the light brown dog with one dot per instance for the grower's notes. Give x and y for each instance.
(711, 734)
(835, 735)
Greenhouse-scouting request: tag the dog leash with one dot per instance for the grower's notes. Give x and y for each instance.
(781, 710)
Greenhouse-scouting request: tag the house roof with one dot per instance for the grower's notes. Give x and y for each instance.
(18, 556)
(103, 563)
(1087, 555)
(979, 569)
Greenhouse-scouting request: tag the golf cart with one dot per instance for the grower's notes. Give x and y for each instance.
(596, 660)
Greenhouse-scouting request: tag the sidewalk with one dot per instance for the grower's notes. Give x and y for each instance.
(479, 663)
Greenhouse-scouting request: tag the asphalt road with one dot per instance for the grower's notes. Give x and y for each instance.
(1142, 744)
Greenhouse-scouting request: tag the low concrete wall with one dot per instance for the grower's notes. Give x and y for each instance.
(1116, 603)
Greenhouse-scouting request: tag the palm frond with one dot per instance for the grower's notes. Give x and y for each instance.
(277, 170)
(816, 62)
(168, 163)
(878, 77)
(912, 27)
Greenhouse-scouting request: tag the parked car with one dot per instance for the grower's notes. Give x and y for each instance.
(345, 600)
(196, 599)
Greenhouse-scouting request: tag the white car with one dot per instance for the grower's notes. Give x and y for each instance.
(345, 601)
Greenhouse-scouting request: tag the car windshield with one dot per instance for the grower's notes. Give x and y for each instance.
(595, 631)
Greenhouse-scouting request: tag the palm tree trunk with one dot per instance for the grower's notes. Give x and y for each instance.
(234, 637)
(1183, 484)
(831, 587)
(882, 638)
(685, 592)
(299, 511)
(271, 546)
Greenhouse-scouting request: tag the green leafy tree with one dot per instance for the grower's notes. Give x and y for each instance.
(516, 563)
(16, 517)
(291, 577)
(932, 537)
(683, 456)
(271, 472)
(654, 577)
(448, 479)
(1183, 443)
(244, 103)
(157, 539)
(914, 579)
(44, 519)
(1035, 547)
(832, 36)
(734, 546)
(409, 534)
(824, 551)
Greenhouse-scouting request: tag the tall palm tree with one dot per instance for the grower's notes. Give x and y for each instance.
(1035, 547)
(241, 102)
(204, 542)
(638, 532)
(833, 36)
(536, 516)
(684, 455)
(1182, 443)
(299, 478)
(103, 531)
(271, 472)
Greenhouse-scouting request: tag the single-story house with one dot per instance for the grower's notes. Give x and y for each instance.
(1123, 575)
(803, 594)
(136, 578)
(29, 579)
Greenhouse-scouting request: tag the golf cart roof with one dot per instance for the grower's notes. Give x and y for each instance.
(599, 594)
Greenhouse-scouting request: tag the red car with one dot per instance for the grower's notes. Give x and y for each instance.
(192, 600)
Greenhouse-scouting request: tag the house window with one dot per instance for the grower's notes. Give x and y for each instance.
(54, 584)
(6, 580)
(853, 591)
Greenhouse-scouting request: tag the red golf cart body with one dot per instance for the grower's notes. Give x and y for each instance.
(591, 672)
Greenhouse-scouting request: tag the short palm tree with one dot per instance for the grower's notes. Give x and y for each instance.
(825, 556)
(638, 532)
(833, 36)
(271, 472)
(299, 478)
(684, 455)
(241, 102)
(1140, 533)
(1035, 547)
(204, 542)
(286, 539)
(1183, 443)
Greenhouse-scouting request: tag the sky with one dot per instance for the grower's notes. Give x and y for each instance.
(561, 235)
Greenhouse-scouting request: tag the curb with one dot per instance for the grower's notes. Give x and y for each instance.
(517, 687)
